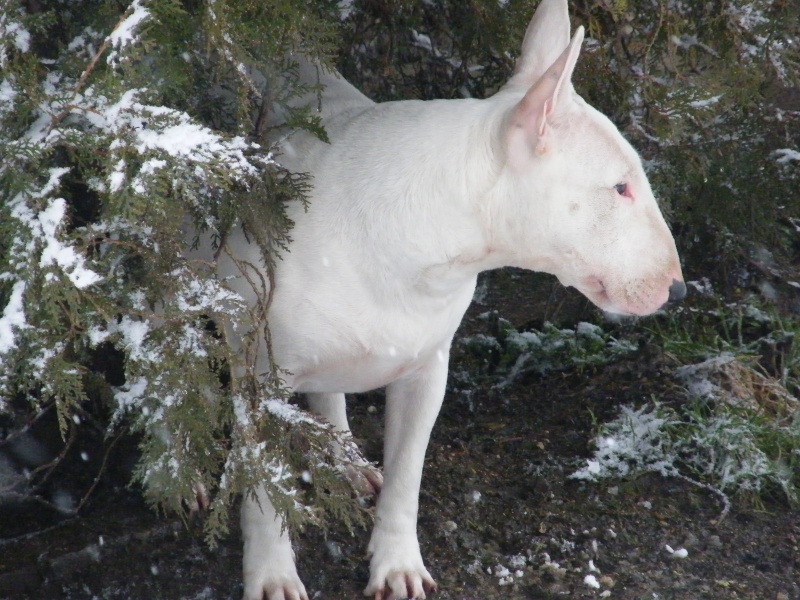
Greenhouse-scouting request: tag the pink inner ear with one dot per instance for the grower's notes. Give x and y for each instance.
(546, 110)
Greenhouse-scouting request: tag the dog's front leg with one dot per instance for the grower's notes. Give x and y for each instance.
(269, 569)
(413, 403)
(366, 479)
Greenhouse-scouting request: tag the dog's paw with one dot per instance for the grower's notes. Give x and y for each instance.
(396, 570)
(366, 479)
(397, 586)
(271, 586)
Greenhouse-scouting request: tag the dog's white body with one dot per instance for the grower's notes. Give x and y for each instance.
(411, 201)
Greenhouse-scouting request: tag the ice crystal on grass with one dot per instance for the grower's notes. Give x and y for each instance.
(731, 437)
(635, 442)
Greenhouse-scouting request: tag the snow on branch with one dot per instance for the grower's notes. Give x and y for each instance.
(172, 133)
(43, 227)
(13, 319)
(123, 34)
(12, 29)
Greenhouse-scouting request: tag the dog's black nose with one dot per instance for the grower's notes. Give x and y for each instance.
(677, 291)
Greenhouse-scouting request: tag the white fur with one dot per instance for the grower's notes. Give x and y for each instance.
(411, 201)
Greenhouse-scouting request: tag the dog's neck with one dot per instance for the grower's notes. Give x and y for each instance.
(478, 227)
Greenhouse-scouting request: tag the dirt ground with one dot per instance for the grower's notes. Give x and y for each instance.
(499, 517)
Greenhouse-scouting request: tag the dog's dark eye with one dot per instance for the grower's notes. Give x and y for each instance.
(622, 189)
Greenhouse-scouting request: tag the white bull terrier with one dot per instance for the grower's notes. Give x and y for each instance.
(411, 201)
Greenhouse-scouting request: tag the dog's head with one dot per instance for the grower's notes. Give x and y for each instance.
(585, 211)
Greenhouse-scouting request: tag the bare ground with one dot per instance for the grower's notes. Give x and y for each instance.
(499, 517)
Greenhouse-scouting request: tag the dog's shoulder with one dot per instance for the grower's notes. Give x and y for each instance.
(337, 94)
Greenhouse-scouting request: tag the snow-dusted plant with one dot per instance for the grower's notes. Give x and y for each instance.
(512, 353)
(636, 442)
(727, 449)
(122, 128)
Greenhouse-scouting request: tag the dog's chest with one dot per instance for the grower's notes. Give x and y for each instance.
(361, 346)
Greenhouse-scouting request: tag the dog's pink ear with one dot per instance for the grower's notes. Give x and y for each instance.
(546, 37)
(528, 122)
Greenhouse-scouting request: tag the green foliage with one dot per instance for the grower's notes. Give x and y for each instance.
(124, 127)
(441, 49)
(511, 354)
(749, 330)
